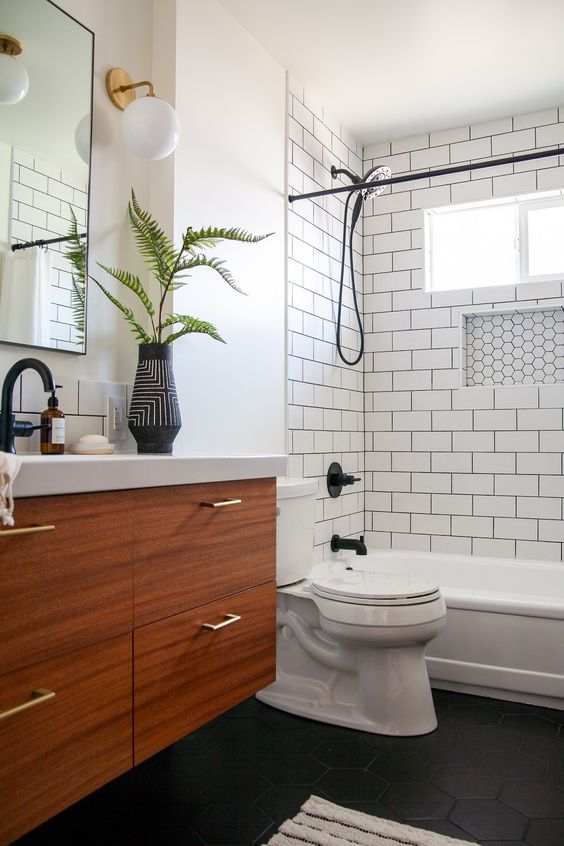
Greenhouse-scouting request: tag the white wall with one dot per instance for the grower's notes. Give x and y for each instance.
(123, 33)
(230, 171)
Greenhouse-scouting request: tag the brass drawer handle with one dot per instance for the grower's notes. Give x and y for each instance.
(27, 530)
(37, 698)
(231, 618)
(221, 504)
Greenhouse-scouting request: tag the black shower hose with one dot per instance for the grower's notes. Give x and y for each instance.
(353, 285)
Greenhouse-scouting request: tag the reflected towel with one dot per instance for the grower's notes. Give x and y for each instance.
(9, 469)
(25, 297)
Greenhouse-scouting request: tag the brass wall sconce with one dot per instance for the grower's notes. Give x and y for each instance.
(150, 125)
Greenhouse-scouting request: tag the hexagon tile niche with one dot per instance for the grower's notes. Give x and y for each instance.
(514, 348)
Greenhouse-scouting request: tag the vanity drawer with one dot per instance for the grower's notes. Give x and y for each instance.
(69, 587)
(185, 675)
(187, 554)
(64, 747)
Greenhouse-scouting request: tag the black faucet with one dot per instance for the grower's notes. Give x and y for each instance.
(9, 428)
(338, 543)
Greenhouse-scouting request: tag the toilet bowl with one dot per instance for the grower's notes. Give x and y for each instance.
(350, 644)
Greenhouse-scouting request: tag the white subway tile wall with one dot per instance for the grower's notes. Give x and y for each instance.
(83, 403)
(41, 198)
(456, 469)
(326, 398)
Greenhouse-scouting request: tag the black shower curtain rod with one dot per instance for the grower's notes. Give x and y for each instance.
(44, 243)
(444, 171)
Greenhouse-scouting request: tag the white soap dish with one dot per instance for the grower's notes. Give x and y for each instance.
(92, 445)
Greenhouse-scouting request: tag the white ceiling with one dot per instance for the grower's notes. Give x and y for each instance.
(393, 68)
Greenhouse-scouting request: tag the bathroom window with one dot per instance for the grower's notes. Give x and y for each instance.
(498, 242)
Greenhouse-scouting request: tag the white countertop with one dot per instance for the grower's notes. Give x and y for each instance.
(48, 475)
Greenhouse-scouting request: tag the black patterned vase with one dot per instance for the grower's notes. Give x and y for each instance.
(154, 413)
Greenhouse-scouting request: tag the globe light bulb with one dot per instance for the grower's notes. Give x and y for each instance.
(14, 80)
(150, 128)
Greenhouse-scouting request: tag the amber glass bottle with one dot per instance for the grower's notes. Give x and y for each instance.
(53, 436)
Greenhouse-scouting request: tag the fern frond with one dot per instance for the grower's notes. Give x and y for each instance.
(210, 235)
(152, 242)
(189, 325)
(78, 306)
(216, 264)
(136, 327)
(133, 283)
(76, 255)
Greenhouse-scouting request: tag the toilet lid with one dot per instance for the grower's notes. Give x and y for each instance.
(367, 588)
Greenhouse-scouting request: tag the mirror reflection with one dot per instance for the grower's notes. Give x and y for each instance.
(45, 108)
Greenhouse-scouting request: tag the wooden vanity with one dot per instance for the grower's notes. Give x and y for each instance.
(146, 612)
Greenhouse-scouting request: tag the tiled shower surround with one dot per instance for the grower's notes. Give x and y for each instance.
(326, 397)
(471, 470)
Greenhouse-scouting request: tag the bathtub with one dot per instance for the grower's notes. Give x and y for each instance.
(504, 636)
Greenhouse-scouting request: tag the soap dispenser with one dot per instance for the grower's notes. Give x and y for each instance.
(52, 428)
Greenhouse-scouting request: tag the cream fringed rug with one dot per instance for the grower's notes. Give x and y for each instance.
(321, 823)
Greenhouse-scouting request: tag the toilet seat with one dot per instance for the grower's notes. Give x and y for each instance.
(359, 587)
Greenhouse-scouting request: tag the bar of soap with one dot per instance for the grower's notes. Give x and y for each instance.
(92, 445)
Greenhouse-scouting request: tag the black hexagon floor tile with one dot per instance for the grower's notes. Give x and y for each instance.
(546, 832)
(232, 823)
(534, 798)
(234, 780)
(282, 800)
(473, 715)
(490, 737)
(344, 753)
(487, 819)
(291, 741)
(400, 767)
(292, 769)
(468, 782)
(443, 827)
(418, 800)
(350, 785)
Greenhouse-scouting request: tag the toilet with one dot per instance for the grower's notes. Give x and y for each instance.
(350, 644)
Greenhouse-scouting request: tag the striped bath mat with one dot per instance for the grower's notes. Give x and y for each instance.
(321, 823)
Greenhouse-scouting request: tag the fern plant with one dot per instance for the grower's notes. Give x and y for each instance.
(76, 254)
(169, 265)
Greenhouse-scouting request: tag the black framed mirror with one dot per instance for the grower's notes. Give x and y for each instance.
(45, 144)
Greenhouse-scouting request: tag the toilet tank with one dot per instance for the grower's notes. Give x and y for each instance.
(295, 527)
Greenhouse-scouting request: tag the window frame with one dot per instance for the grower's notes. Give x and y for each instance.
(524, 208)
(522, 203)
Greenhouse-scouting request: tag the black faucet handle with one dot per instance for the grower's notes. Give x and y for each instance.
(25, 428)
(336, 479)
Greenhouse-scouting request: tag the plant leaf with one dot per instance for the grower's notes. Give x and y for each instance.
(133, 283)
(152, 242)
(210, 235)
(189, 325)
(136, 327)
(216, 264)
(76, 255)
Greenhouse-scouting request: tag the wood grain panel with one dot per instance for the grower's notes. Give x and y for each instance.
(185, 676)
(187, 555)
(70, 587)
(57, 752)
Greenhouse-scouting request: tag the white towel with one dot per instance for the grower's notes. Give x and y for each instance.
(9, 468)
(25, 297)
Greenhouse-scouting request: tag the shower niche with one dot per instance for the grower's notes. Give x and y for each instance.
(518, 346)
